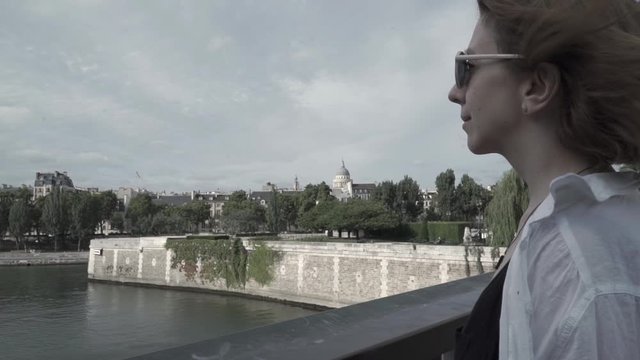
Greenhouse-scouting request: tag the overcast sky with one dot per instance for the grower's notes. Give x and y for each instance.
(208, 95)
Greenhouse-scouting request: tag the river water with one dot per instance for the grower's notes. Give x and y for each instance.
(52, 312)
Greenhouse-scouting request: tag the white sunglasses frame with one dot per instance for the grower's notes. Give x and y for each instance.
(462, 57)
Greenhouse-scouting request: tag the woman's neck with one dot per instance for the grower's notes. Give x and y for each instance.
(538, 168)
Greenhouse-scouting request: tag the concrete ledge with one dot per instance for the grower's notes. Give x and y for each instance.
(28, 259)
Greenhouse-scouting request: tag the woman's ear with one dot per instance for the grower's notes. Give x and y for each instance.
(540, 88)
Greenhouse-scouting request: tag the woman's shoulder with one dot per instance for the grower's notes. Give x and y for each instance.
(595, 223)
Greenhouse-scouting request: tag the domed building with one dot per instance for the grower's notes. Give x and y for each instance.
(344, 189)
(343, 177)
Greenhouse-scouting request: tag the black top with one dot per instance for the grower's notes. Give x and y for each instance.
(479, 338)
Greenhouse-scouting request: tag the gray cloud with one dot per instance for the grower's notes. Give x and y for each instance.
(232, 94)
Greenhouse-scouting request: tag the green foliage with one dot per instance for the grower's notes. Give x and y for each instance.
(385, 192)
(319, 238)
(222, 259)
(403, 199)
(266, 238)
(196, 212)
(19, 221)
(312, 196)
(445, 185)
(470, 200)
(140, 212)
(208, 237)
(449, 232)
(85, 211)
(282, 213)
(55, 214)
(510, 200)
(6, 200)
(420, 231)
(370, 216)
(408, 199)
(261, 263)
(242, 215)
(107, 204)
(117, 221)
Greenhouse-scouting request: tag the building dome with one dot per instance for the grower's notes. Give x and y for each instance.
(342, 179)
(342, 171)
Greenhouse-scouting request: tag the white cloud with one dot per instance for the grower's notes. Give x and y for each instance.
(217, 43)
(233, 94)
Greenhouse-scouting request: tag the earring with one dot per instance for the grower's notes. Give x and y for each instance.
(524, 109)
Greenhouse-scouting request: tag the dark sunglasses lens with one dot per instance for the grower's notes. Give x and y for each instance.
(461, 73)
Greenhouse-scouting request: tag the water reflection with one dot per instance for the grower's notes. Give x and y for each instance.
(52, 312)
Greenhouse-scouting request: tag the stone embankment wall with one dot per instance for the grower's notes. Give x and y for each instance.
(324, 274)
(27, 258)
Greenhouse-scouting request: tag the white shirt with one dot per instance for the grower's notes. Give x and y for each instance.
(572, 289)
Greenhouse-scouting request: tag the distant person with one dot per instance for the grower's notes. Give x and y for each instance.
(554, 87)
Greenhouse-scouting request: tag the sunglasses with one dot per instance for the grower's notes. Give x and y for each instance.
(463, 66)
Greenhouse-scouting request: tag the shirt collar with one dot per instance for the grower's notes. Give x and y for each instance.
(571, 189)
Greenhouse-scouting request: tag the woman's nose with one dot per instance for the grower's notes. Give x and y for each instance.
(456, 95)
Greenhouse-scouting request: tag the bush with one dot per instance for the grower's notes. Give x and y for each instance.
(450, 233)
(256, 234)
(208, 237)
(266, 238)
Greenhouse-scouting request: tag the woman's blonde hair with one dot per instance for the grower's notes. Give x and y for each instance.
(596, 46)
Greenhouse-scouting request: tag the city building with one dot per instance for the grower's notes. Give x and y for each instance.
(429, 197)
(344, 189)
(124, 196)
(46, 181)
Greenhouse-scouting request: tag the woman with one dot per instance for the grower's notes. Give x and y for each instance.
(554, 87)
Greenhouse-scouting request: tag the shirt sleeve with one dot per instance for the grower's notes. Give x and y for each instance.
(608, 329)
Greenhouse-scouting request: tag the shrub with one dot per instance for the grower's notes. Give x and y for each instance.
(450, 233)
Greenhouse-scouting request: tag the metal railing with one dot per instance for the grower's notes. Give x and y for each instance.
(420, 324)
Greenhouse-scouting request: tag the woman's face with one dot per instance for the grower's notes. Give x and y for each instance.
(490, 102)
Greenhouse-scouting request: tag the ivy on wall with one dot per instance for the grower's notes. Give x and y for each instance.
(223, 259)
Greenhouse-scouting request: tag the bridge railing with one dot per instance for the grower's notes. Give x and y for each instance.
(420, 324)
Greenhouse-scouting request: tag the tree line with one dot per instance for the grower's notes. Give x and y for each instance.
(143, 217)
(74, 216)
(64, 215)
(315, 209)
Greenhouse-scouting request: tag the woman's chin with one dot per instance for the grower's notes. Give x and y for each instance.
(478, 149)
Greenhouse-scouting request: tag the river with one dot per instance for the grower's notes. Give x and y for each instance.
(53, 312)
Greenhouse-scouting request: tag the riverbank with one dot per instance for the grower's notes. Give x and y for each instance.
(16, 258)
(330, 275)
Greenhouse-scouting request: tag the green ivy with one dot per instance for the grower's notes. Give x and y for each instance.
(223, 259)
(261, 263)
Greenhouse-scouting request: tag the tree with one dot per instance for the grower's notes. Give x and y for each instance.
(370, 216)
(324, 216)
(510, 200)
(288, 210)
(117, 221)
(141, 211)
(108, 204)
(470, 199)
(241, 214)
(408, 199)
(85, 211)
(6, 201)
(445, 185)
(196, 213)
(55, 214)
(36, 216)
(19, 221)
(311, 196)
(385, 192)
